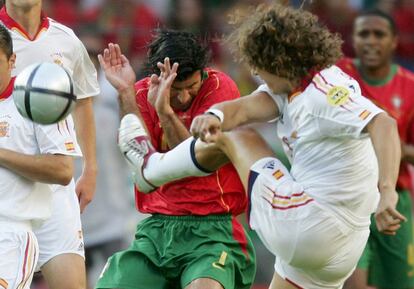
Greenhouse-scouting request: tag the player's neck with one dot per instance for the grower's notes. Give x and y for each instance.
(29, 18)
(4, 84)
(378, 73)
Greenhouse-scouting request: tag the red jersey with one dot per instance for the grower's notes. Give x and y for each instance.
(394, 94)
(218, 193)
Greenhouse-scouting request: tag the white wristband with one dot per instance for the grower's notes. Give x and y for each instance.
(217, 113)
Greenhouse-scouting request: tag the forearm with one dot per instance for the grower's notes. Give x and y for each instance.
(86, 133)
(127, 103)
(408, 153)
(174, 130)
(45, 168)
(257, 107)
(385, 139)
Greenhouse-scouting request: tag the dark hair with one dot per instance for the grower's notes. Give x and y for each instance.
(180, 46)
(284, 41)
(6, 43)
(382, 14)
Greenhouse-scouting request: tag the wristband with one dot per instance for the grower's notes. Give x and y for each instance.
(217, 113)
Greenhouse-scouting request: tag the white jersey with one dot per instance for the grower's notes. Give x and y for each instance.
(321, 129)
(54, 43)
(22, 199)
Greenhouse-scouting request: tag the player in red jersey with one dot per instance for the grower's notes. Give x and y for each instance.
(387, 261)
(192, 239)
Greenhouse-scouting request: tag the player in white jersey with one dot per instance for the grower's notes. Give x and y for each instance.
(314, 219)
(37, 38)
(32, 156)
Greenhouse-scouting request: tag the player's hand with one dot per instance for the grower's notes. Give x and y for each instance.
(85, 189)
(160, 87)
(116, 66)
(387, 217)
(207, 127)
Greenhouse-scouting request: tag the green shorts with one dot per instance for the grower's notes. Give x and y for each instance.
(390, 259)
(171, 251)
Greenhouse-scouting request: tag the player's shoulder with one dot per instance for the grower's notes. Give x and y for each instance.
(330, 86)
(62, 29)
(216, 78)
(405, 74)
(141, 87)
(325, 80)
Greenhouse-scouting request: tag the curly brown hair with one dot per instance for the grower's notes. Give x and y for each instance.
(284, 41)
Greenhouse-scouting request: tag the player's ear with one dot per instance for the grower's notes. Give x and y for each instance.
(12, 61)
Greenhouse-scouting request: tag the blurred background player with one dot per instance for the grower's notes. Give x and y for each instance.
(37, 38)
(31, 157)
(192, 240)
(106, 233)
(387, 261)
(322, 116)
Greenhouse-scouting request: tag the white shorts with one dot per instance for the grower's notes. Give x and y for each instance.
(313, 247)
(18, 256)
(62, 232)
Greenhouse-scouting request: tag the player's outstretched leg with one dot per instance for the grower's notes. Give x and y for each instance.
(151, 169)
(192, 157)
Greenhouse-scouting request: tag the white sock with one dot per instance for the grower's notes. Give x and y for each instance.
(178, 163)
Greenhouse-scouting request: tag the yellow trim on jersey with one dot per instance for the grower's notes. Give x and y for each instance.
(3, 283)
(363, 115)
(69, 146)
(227, 207)
(278, 174)
(291, 201)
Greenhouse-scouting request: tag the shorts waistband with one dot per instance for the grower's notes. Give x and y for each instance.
(193, 218)
(13, 225)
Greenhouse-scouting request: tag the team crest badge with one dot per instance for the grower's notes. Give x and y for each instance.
(338, 95)
(4, 129)
(396, 101)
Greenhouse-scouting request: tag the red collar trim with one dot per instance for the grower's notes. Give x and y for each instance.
(303, 84)
(11, 24)
(8, 91)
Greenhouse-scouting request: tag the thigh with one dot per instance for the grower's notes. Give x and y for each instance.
(65, 271)
(131, 269)
(204, 283)
(18, 257)
(216, 252)
(62, 232)
(280, 283)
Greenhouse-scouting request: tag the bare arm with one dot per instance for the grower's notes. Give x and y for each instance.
(45, 168)
(174, 130)
(384, 136)
(256, 107)
(86, 134)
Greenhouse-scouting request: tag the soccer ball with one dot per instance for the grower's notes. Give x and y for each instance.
(43, 92)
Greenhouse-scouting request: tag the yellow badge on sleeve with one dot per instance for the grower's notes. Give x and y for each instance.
(338, 95)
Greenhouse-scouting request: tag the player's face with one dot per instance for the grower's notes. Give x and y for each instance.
(275, 83)
(6, 66)
(183, 92)
(374, 42)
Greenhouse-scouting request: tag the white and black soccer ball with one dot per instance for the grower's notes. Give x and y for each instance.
(43, 92)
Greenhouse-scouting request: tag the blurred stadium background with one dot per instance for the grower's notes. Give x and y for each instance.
(109, 221)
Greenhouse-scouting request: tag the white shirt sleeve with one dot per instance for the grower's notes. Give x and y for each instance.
(84, 75)
(58, 138)
(278, 99)
(343, 111)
